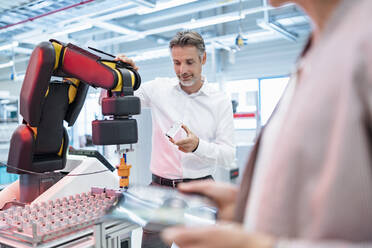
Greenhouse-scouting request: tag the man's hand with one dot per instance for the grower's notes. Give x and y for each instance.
(189, 144)
(223, 194)
(125, 59)
(102, 95)
(221, 235)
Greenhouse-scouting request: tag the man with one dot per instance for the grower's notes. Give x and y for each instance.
(205, 114)
(206, 117)
(308, 182)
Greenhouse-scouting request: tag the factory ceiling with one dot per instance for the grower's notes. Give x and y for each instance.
(141, 28)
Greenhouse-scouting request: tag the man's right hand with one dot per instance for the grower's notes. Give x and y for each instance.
(125, 59)
(223, 194)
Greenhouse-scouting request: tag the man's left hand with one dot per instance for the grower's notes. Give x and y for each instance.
(217, 236)
(189, 144)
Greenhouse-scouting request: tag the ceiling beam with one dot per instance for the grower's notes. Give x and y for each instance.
(227, 17)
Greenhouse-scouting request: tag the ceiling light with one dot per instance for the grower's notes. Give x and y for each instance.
(146, 3)
(152, 54)
(113, 27)
(268, 24)
(277, 28)
(217, 42)
(211, 21)
(40, 5)
(23, 50)
(9, 64)
(191, 25)
(74, 29)
(9, 46)
(161, 6)
(179, 26)
(96, 13)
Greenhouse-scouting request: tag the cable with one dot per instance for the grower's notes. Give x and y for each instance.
(22, 170)
(37, 173)
(88, 173)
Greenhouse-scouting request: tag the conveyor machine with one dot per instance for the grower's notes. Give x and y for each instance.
(54, 90)
(39, 145)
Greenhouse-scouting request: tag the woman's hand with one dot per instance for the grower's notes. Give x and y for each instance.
(223, 194)
(222, 235)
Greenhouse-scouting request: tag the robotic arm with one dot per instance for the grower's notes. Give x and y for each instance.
(54, 89)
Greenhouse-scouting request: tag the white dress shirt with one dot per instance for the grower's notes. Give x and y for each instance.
(207, 113)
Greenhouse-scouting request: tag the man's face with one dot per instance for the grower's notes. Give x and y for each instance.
(187, 64)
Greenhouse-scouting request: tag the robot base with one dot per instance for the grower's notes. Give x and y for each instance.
(64, 206)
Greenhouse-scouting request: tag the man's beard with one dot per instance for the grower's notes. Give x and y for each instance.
(188, 83)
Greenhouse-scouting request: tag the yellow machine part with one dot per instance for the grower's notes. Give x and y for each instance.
(47, 92)
(120, 83)
(61, 148)
(58, 49)
(124, 182)
(72, 90)
(34, 130)
(112, 65)
(124, 172)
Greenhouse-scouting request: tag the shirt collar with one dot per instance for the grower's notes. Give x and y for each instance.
(203, 90)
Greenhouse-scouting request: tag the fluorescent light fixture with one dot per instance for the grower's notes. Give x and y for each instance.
(74, 29)
(268, 24)
(222, 43)
(211, 21)
(152, 54)
(113, 27)
(23, 50)
(41, 5)
(164, 5)
(96, 13)
(197, 23)
(277, 28)
(9, 46)
(4, 94)
(118, 14)
(295, 20)
(146, 3)
(9, 64)
(191, 25)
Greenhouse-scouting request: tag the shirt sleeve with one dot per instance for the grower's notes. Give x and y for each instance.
(362, 73)
(363, 81)
(144, 93)
(222, 150)
(320, 244)
(367, 86)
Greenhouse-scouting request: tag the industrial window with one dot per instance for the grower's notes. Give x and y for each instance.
(245, 92)
(271, 89)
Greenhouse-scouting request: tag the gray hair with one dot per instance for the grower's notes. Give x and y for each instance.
(188, 38)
